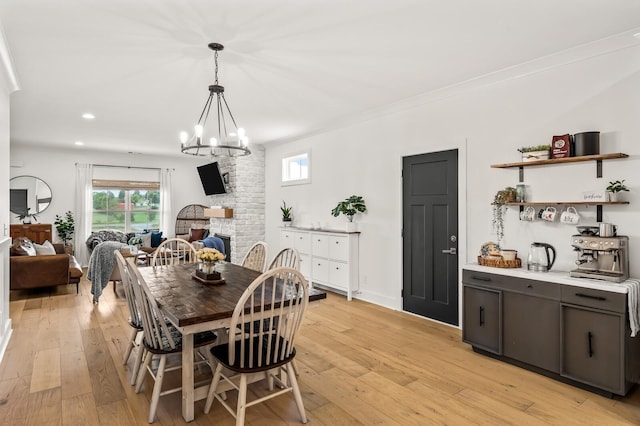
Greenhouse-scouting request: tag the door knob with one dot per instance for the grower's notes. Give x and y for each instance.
(452, 250)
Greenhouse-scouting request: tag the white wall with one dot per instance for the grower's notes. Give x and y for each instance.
(487, 121)
(57, 168)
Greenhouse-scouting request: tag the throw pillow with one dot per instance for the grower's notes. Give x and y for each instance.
(45, 248)
(196, 234)
(23, 246)
(156, 239)
(146, 239)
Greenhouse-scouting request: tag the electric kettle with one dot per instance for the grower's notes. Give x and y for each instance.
(539, 259)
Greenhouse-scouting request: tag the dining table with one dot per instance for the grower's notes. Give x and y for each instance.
(193, 305)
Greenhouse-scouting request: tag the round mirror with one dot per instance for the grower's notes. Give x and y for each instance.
(28, 194)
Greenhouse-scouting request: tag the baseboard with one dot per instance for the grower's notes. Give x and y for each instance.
(379, 299)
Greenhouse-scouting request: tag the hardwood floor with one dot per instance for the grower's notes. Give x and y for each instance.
(359, 364)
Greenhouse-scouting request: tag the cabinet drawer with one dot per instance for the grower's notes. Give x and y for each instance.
(482, 278)
(599, 299)
(320, 245)
(305, 265)
(339, 274)
(320, 269)
(339, 248)
(302, 242)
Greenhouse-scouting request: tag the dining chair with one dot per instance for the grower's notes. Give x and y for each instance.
(135, 319)
(287, 257)
(255, 354)
(174, 251)
(256, 257)
(161, 339)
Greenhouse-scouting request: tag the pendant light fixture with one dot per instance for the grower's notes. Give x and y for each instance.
(222, 137)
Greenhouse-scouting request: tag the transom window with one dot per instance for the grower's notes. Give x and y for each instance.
(126, 206)
(296, 169)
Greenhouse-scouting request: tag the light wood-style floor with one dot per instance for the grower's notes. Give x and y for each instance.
(359, 364)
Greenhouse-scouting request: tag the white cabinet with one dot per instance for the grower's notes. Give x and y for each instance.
(327, 258)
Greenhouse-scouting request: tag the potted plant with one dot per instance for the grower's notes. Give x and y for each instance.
(615, 187)
(535, 153)
(65, 226)
(286, 214)
(26, 217)
(350, 207)
(502, 197)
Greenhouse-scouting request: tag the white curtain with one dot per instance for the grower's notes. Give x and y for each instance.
(166, 203)
(83, 209)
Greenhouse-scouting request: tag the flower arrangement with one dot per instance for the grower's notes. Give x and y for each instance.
(209, 255)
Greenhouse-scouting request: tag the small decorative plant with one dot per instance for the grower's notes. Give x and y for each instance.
(502, 197)
(350, 207)
(286, 212)
(535, 153)
(26, 217)
(65, 225)
(535, 148)
(617, 186)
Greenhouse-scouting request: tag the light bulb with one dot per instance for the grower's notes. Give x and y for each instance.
(240, 133)
(199, 130)
(213, 142)
(184, 136)
(245, 141)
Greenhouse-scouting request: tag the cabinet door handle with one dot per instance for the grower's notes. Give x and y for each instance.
(588, 296)
(481, 316)
(590, 336)
(481, 278)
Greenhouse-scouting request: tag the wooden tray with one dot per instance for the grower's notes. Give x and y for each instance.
(208, 282)
(500, 263)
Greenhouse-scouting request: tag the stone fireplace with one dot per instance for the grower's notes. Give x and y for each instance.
(245, 195)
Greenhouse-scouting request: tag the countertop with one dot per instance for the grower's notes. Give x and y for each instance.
(558, 277)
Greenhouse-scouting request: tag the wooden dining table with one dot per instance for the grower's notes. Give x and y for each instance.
(193, 306)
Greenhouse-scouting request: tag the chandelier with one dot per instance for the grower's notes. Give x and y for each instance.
(223, 138)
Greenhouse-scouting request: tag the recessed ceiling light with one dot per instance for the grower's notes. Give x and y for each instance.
(79, 143)
(88, 116)
(637, 35)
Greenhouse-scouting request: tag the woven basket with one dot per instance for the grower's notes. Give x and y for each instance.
(500, 263)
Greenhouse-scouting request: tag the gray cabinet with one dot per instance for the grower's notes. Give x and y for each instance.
(482, 318)
(576, 334)
(592, 347)
(532, 330)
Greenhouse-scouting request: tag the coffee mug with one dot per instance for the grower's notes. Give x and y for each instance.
(528, 214)
(549, 214)
(570, 216)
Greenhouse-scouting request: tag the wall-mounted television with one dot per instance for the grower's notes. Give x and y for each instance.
(211, 179)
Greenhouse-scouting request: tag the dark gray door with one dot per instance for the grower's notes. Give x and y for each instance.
(430, 235)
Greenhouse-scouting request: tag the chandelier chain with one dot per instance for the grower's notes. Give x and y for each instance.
(216, 61)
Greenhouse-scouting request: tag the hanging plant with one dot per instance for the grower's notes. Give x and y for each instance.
(502, 197)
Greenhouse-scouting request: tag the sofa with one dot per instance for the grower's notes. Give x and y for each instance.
(28, 269)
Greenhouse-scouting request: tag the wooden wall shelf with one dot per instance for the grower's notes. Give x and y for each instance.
(562, 160)
(568, 203)
(219, 213)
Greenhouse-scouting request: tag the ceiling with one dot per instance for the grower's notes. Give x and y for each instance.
(290, 68)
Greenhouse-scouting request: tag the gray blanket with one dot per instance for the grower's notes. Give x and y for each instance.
(101, 266)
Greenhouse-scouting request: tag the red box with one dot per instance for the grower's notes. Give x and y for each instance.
(561, 146)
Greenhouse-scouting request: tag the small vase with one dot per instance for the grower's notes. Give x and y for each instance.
(207, 267)
(613, 197)
(352, 227)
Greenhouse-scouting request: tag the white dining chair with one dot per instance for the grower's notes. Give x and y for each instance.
(256, 353)
(174, 251)
(160, 340)
(256, 257)
(287, 257)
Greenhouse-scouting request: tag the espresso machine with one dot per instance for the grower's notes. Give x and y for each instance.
(602, 258)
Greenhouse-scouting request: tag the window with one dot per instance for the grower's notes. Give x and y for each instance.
(127, 206)
(296, 169)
